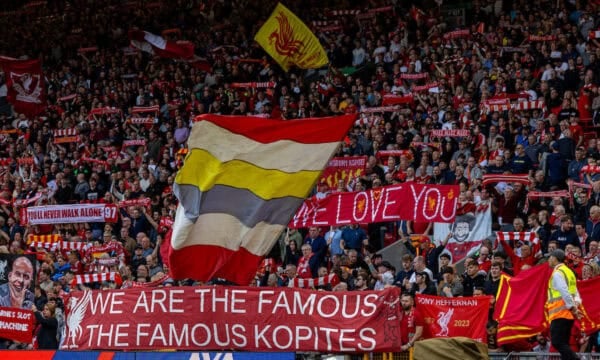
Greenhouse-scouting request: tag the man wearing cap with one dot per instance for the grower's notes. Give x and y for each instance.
(562, 304)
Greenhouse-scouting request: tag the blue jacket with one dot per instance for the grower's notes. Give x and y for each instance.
(593, 230)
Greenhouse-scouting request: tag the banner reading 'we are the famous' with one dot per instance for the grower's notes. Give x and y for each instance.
(243, 318)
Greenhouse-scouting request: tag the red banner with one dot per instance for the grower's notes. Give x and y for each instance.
(244, 318)
(343, 168)
(16, 324)
(422, 203)
(65, 214)
(25, 83)
(451, 317)
(520, 303)
(390, 99)
(588, 290)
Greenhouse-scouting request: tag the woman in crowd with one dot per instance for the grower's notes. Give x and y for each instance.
(48, 327)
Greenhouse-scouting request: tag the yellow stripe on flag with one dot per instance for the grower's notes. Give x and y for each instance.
(290, 42)
(265, 183)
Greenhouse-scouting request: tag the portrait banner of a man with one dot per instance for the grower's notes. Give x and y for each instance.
(468, 231)
(17, 280)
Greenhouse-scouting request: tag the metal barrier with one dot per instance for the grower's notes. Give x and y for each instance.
(409, 356)
(538, 356)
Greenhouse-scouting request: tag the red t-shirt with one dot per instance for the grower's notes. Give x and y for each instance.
(408, 323)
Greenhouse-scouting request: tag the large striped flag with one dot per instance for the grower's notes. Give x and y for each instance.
(290, 42)
(241, 182)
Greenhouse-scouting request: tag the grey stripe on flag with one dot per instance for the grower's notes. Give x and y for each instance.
(248, 208)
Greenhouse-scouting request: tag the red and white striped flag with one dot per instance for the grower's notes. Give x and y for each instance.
(331, 279)
(74, 246)
(62, 136)
(91, 278)
(525, 236)
(142, 120)
(528, 105)
(528, 237)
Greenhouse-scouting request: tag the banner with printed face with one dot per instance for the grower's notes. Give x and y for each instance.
(17, 280)
(423, 203)
(451, 317)
(243, 318)
(65, 214)
(468, 231)
(343, 169)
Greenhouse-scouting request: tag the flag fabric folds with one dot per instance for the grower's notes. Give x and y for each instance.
(241, 182)
(588, 290)
(520, 304)
(25, 84)
(290, 42)
(157, 45)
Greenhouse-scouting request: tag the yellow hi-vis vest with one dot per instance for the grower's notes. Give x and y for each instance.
(556, 307)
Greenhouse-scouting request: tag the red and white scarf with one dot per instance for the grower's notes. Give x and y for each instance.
(91, 278)
(331, 279)
(496, 178)
(546, 194)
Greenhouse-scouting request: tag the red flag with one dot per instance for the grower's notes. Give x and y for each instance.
(520, 303)
(450, 317)
(157, 45)
(481, 28)
(588, 290)
(416, 14)
(25, 83)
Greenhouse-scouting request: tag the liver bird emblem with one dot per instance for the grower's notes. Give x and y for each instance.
(431, 202)
(77, 311)
(283, 38)
(443, 321)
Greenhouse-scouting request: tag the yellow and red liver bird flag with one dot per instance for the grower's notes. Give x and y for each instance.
(290, 42)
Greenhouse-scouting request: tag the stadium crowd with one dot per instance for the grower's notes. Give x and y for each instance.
(523, 51)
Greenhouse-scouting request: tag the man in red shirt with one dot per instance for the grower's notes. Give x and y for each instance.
(411, 322)
(527, 256)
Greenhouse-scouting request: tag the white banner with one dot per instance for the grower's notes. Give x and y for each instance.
(64, 214)
(468, 231)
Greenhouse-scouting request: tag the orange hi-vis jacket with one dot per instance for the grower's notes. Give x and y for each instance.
(556, 306)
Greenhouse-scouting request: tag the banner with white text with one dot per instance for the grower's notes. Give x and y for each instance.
(452, 317)
(16, 324)
(418, 202)
(65, 214)
(243, 318)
